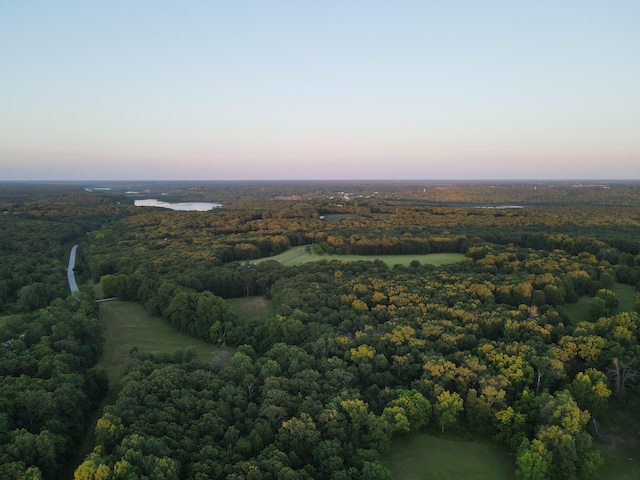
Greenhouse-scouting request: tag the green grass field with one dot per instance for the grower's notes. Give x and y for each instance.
(298, 255)
(626, 295)
(621, 426)
(336, 217)
(579, 312)
(620, 463)
(129, 325)
(421, 456)
(252, 308)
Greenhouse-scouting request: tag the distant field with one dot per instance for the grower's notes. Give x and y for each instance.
(579, 312)
(298, 255)
(129, 325)
(420, 456)
(336, 217)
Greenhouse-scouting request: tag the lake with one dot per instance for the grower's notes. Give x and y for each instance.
(187, 206)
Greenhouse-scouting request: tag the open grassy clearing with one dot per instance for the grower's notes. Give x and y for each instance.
(336, 217)
(405, 260)
(620, 463)
(621, 445)
(420, 456)
(252, 308)
(626, 295)
(298, 255)
(129, 325)
(579, 312)
(97, 289)
(290, 257)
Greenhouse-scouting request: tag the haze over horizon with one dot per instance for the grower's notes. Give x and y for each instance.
(324, 90)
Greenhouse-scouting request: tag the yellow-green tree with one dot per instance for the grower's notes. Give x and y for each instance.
(448, 408)
(533, 460)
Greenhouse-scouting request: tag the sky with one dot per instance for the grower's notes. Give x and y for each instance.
(268, 90)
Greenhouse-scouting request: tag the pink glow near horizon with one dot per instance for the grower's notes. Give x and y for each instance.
(320, 91)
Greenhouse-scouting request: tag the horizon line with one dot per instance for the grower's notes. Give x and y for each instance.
(393, 180)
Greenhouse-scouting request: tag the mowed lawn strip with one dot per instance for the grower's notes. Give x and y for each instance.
(128, 325)
(420, 456)
(298, 255)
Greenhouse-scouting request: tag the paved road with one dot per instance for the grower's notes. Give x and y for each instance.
(72, 279)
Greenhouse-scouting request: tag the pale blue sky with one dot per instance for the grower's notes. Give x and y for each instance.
(319, 90)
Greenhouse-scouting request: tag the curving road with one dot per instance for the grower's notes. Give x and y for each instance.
(72, 279)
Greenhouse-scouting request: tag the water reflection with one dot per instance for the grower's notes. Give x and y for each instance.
(189, 206)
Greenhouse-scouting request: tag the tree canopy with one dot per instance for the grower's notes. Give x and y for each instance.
(356, 353)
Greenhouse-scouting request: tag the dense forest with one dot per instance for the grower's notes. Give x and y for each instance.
(357, 352)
